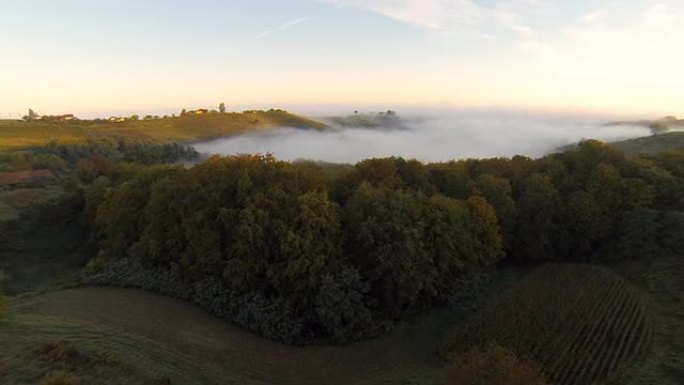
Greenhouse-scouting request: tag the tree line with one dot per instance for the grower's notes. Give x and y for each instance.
(62, 157)
(301, 250)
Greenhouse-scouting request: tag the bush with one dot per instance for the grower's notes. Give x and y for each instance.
(340, 307)
(64, 356)
(494, 366)
(4, 306)
(60, 377)
(273, 318)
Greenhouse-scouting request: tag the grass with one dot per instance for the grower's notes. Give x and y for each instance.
(17, 135)
(581, 323)
(150, 337)
(180, 329)
(651, 145)
(34, 346)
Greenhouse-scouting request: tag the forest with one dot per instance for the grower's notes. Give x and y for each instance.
(302, 251)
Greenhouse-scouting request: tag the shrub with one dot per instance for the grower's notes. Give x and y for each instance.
(63, 355)
(60, 377)
(4, 306)
(494, 366)
(273, 318)
(340, 306)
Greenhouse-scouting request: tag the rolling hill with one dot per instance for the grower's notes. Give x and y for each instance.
(17, 135)
(650, 145)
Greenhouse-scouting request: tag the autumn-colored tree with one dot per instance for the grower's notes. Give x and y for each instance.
(499, 194)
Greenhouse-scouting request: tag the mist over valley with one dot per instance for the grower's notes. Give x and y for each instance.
(428, 135)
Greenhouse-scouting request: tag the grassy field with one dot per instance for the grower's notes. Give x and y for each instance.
(181, 330)
(35, 345)
(650, 145)
(16, 135)
(148, 338)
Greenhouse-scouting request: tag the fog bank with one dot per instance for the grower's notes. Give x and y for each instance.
(431, 136)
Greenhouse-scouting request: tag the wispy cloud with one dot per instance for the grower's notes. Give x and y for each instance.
(659, 16)
(594, 17)
(281, 28)
(433, 14)
(512, 21)
(452, 14)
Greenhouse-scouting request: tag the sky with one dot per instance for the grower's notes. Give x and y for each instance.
(107, 56)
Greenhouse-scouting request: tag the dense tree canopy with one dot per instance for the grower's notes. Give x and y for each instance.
(344, 250)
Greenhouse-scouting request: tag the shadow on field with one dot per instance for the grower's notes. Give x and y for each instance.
(405, 354)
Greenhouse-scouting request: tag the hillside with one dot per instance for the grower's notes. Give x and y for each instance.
(669, 121)
(650, 145)
(381, 120)
(20, 134)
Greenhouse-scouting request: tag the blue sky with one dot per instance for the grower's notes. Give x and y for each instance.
(102, 56)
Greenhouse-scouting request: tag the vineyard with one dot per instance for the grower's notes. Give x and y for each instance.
(582, 324)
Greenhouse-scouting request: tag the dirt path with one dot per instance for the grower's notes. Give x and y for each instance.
(407, 352)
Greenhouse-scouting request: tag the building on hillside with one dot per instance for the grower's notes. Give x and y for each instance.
(200, 111)
(66, 117)
(117, 119)
(56, 118)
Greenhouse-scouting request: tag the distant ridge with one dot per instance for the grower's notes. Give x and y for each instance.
(19, 134)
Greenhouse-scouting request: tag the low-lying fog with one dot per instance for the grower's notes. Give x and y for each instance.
(431, 136)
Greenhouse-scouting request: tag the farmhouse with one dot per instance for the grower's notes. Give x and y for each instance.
(200, 111)
(117, 119)
(67, 117)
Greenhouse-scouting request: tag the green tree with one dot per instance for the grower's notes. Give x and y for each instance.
(387, 243)
(340, 305)
(672, 231)
(498, 193)
(536, 230)
(639, 233)
(658, 128)
(484, 232)
(222, 108)
(31, 115)
(583, 225)
(309, 245)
